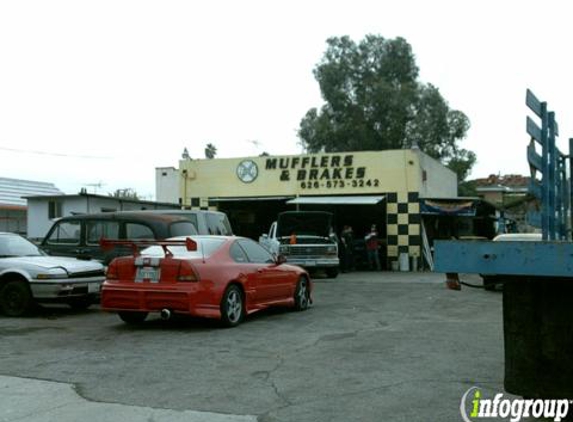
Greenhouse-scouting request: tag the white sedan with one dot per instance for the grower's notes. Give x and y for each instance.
(28, 275)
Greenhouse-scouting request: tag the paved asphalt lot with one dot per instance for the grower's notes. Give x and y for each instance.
(374, 347)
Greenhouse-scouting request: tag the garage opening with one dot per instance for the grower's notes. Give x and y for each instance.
(359, 212)
(458, 218)
(251, 217)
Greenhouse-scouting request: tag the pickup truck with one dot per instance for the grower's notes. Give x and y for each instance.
(306, 239)
(491, 281)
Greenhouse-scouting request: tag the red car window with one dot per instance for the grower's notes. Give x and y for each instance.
(238, 254)
(255, 252)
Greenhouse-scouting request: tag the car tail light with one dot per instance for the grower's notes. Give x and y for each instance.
(187, 273)
(121, 269)
(112, 273)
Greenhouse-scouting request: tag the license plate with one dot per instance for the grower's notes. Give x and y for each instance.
(147, 274)
(93, 287)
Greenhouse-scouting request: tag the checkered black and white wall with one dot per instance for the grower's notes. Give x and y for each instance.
(403, 224)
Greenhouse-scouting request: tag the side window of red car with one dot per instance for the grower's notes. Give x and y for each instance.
(255, 252)
(238, 254)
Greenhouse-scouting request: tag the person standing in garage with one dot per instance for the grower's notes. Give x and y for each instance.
(347, 237)
(371, 240)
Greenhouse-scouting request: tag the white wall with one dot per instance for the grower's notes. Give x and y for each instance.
(167, 185)
(440, 181)
(38, 209)
(38, 221)
(38, 213)
(110, 204)
(95, 205)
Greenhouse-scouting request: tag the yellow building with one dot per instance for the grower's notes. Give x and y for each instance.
(360, 188)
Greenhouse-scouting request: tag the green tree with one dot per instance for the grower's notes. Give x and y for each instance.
(374, 101)
(210, 151)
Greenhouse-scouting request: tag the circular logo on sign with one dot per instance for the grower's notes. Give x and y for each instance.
(247, 171)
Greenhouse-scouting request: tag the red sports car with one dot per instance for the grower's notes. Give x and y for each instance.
(207, 276)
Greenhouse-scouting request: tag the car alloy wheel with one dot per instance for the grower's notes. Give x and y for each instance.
(232, 310)
(302, 295)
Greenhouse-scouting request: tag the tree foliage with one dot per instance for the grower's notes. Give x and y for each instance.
(210, 151)
(374, 101)
(127, 193)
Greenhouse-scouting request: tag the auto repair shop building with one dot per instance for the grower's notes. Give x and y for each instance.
(360, 188)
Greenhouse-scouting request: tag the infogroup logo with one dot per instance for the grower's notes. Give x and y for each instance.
(475, 407)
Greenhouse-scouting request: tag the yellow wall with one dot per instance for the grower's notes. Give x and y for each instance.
(349, 173)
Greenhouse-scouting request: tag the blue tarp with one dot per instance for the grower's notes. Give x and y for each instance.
(465, 208)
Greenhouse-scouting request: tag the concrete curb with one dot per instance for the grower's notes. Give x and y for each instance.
(30, 400)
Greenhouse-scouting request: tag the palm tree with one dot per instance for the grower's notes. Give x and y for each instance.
(210, 151)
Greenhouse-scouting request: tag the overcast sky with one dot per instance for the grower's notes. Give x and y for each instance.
(105, 91)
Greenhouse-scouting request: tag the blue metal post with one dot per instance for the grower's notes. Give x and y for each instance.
(563, 196)
(570, 210)
(550, 183)
(545, 173)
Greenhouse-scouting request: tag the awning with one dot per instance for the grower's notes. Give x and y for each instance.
(250, 198)
(337, 200)
(459, 207)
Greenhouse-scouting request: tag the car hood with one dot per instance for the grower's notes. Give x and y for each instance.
(304, 223)
(71, 265)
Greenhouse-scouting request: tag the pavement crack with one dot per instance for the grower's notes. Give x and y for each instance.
(273, 384)
(266, 417)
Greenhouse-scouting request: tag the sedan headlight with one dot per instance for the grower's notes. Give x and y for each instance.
(52, 275)
(331, 250)
(283, 249)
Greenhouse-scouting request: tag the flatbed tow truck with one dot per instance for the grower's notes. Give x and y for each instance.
(537, 275)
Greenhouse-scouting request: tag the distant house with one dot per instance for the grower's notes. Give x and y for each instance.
(509, 193)
(499, 190)
(13, 205)
(43, 210)
(167, 184)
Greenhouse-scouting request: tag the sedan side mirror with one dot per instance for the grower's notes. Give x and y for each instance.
(281, 259)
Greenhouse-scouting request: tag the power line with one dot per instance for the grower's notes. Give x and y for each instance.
(55, 154)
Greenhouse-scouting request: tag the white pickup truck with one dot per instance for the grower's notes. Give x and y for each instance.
(305, 239)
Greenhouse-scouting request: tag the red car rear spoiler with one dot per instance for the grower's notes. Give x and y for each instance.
(109, 244)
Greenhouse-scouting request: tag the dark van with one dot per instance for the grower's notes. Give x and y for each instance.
(79, 235)
(206, 222)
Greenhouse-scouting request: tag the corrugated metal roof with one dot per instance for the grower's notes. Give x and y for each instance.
(93, 195)
(13, 191)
